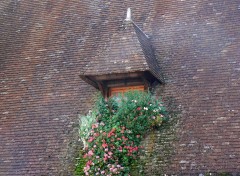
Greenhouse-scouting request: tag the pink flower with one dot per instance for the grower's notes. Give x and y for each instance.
(115, 170)
(94, 126)
(124, 138)
(105, 157)
(102, 172)
(109, 134)
(86, 168)
(104, 145)
(90, 139)
(97, 156)
(120, 149)
(110, 153)
(90, 153)
(96, 134)
(139, 108)
(88, 163)
(135, 149)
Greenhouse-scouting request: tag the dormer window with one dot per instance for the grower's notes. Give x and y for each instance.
(127, 60)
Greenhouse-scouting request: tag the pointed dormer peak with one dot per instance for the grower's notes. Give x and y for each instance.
(128, 17)
(129, 20)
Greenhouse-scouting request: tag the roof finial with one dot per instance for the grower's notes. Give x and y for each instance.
(128, 18)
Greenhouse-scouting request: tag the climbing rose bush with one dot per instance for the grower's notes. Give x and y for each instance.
(114, 130)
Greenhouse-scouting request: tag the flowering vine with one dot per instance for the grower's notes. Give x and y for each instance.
(113, 131)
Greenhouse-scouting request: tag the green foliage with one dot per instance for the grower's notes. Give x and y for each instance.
(115, 131)
(86, 124)
(81, 163)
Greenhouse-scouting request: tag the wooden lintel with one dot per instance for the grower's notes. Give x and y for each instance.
(89, 81)
(118, 76)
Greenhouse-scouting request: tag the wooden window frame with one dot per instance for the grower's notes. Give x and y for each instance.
(121, 90)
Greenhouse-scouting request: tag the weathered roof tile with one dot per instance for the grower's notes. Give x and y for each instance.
(122, 52)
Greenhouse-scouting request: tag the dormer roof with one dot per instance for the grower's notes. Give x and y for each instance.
(129, 53)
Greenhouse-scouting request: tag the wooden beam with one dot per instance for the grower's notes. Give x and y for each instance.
(89, 81)
(146, 83)
(103, 88)
(118, 76)
(100, 87)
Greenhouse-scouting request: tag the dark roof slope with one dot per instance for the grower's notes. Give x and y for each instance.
(149, 53)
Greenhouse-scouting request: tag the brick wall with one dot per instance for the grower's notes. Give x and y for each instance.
(44, 45)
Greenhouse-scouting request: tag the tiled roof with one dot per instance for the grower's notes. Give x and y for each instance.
(122, 54)
(44, 45)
